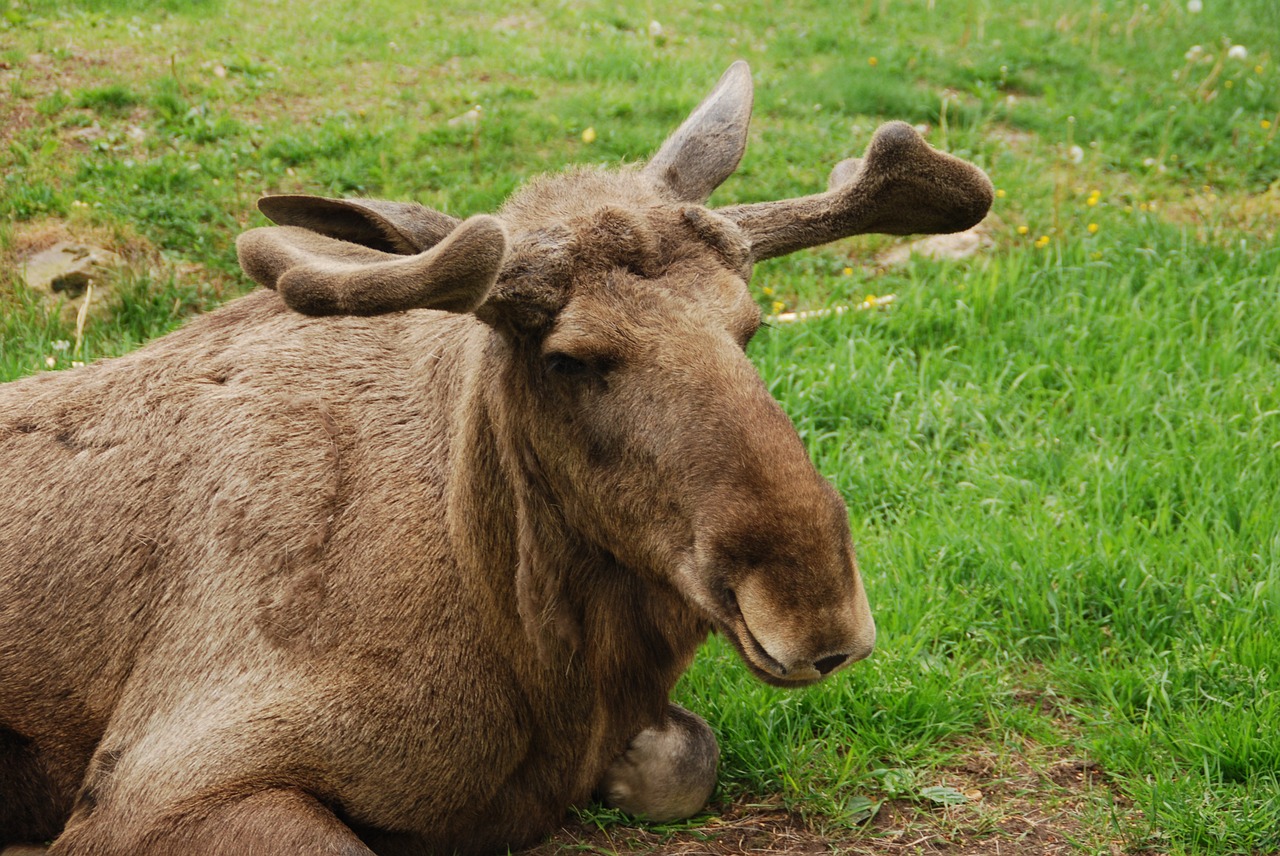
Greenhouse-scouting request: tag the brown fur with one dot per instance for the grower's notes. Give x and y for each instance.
(410, 583)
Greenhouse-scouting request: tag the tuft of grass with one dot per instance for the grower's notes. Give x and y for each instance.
(112, 99)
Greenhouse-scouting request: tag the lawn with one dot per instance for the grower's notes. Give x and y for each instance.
(1061, 454)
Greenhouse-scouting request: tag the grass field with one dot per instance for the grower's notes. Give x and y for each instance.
(1061, 455)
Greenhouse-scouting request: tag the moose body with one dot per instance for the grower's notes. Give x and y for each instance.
(406, 554)
(252, 622)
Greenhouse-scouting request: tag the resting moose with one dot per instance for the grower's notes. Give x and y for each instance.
(404, 553)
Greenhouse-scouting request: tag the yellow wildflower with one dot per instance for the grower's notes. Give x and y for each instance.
(589, 135)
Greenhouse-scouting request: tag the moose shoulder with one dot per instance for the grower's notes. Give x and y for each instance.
(405, 552)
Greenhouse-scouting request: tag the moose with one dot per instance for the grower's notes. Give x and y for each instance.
(404, 552)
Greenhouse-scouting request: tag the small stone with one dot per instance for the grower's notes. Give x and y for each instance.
(954, 246)
(67, 267)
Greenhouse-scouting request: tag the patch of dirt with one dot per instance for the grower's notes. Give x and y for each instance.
(1018, 804)
(40, 75)
(736, 828)
(1016, 139)
(1209, 213)
(519, 23)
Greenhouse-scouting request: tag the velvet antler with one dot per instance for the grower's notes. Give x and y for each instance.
(318, 275)
(901, 186)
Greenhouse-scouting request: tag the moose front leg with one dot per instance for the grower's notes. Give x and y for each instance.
(668, 771)
(279, 822)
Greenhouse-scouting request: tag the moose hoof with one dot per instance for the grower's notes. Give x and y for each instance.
(667, 772)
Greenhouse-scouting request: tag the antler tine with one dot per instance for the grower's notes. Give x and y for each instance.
(317, 275)
(901, 186)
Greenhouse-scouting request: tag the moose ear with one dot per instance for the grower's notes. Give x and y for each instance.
(318, 275)
(706, 149)
(405, 228)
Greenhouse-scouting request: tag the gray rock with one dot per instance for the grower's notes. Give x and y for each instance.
(67, 268)
(958, 245)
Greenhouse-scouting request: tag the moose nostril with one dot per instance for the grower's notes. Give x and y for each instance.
(827, 665)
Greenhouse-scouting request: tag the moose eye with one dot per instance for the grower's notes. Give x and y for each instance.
(567, 366)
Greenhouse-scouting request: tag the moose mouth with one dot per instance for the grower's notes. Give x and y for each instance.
(758, 660)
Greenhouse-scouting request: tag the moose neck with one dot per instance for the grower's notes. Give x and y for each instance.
(616, 641)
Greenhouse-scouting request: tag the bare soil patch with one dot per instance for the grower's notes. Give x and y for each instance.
(40, 75)
(1211, 214)
(1018, 806)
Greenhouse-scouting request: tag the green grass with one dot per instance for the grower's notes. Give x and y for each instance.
(1066, 465)
(1061, 458)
